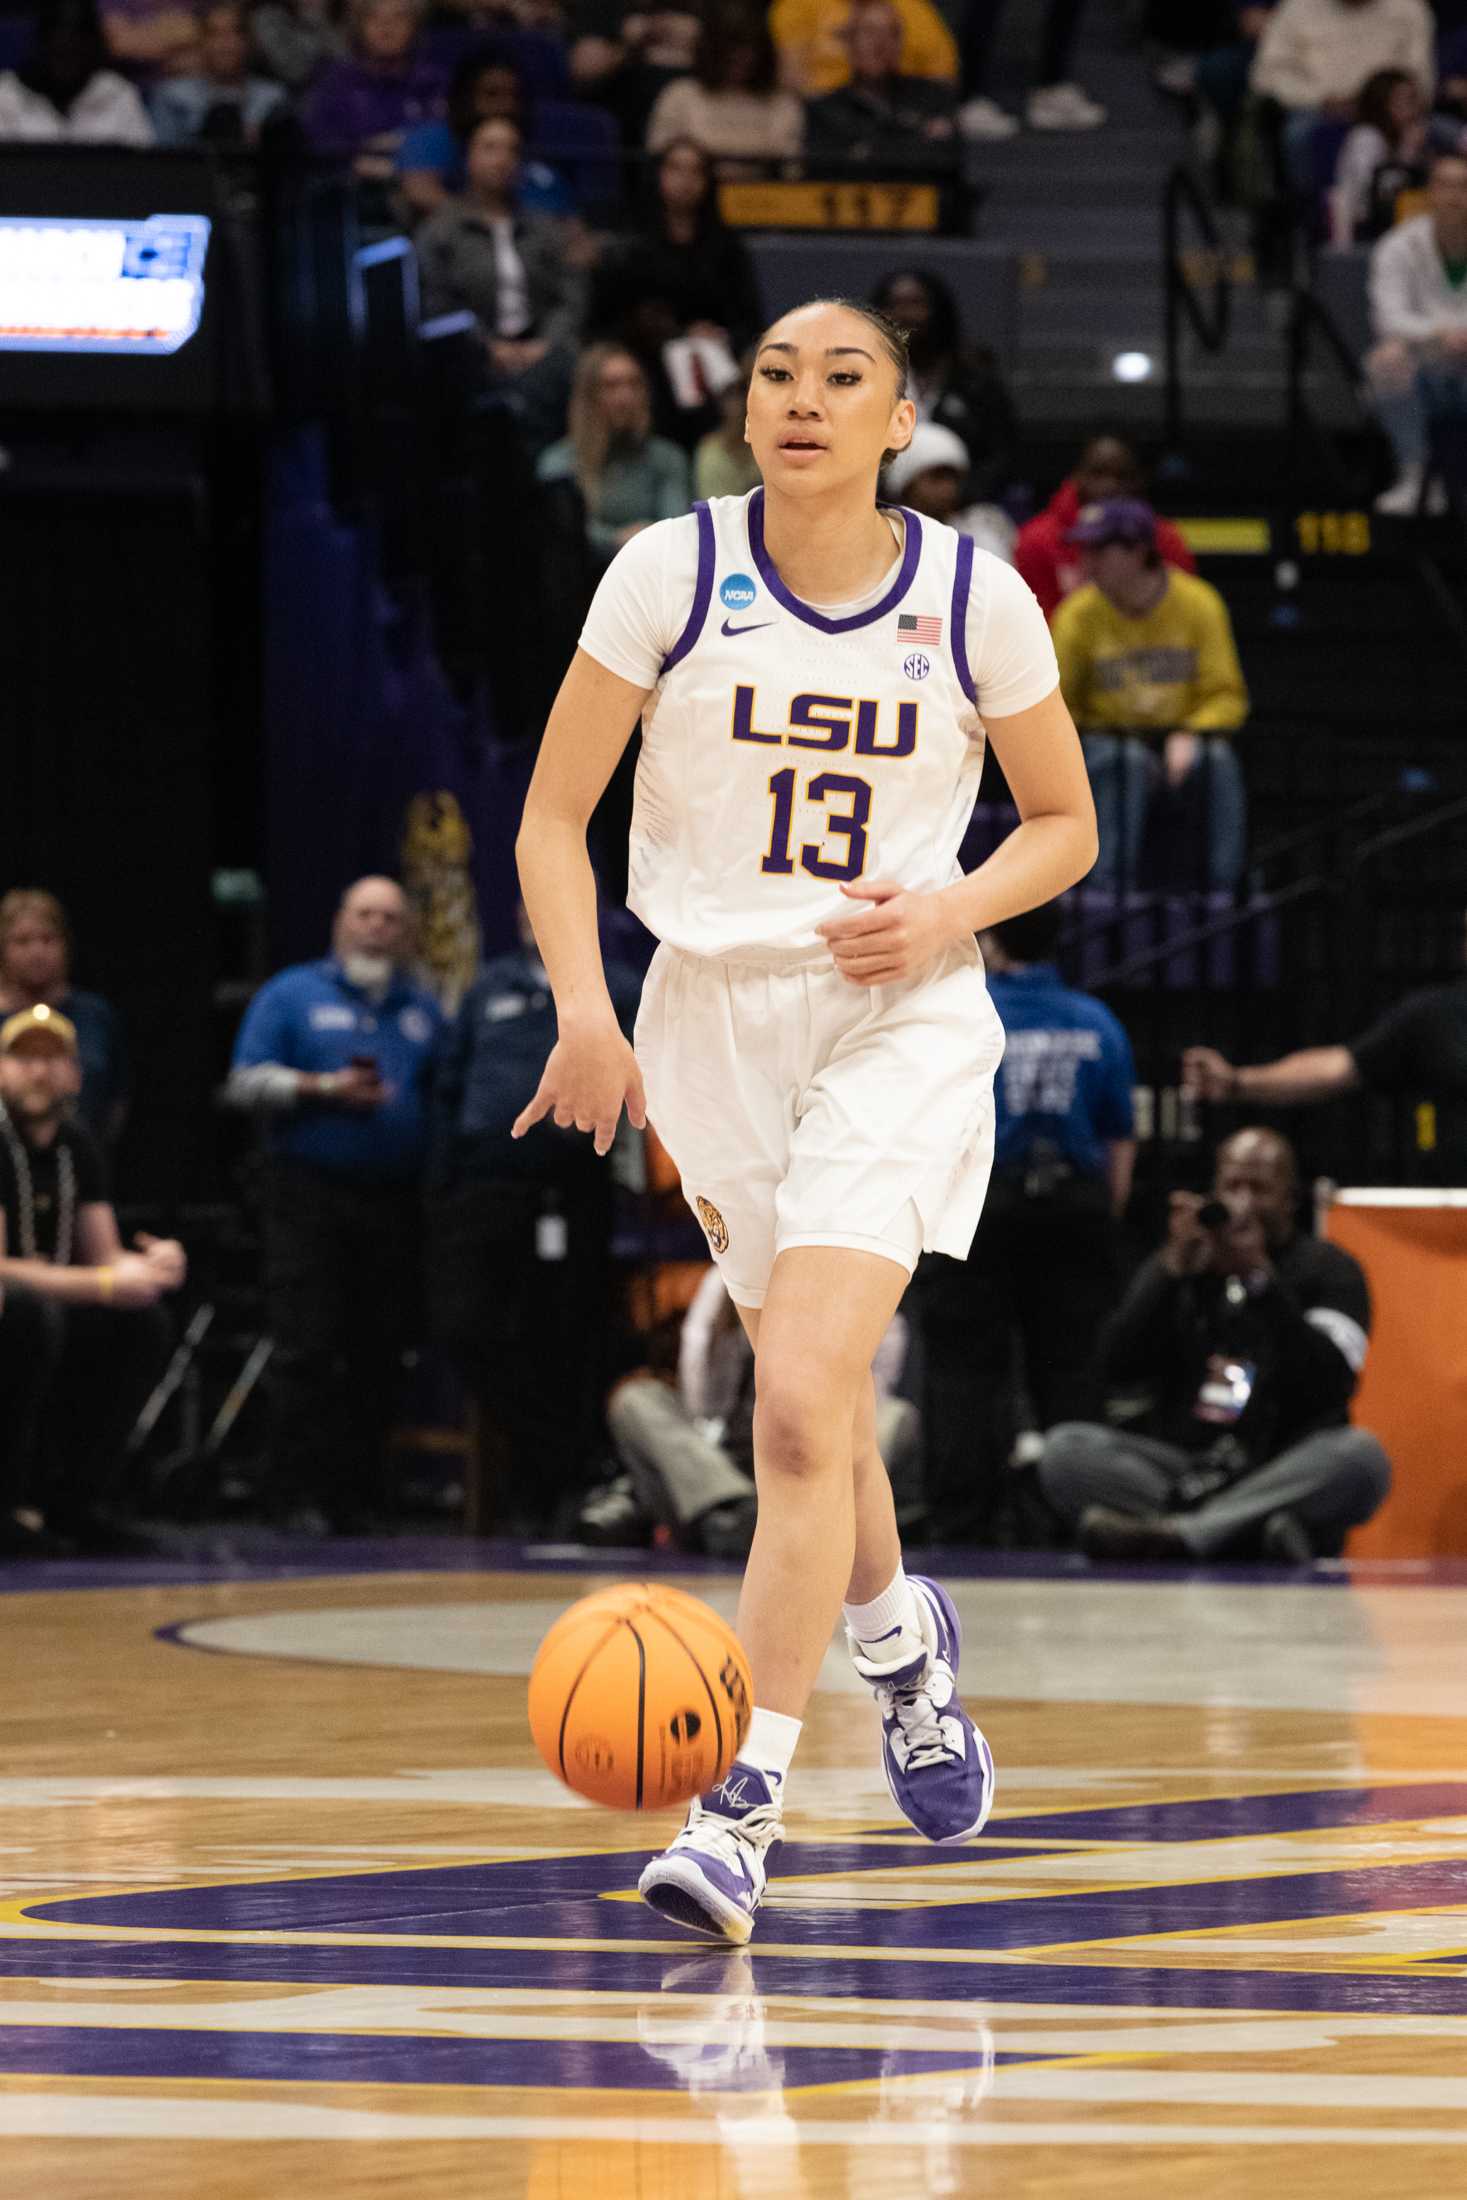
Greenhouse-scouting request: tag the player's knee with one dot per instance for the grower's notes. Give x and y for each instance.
(792, 1427)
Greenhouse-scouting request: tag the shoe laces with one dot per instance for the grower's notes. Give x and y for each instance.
(919, 1716)
(724, 1837)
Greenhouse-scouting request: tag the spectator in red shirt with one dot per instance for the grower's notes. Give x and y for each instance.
(1043, 553)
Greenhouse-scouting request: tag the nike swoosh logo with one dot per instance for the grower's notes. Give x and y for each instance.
(726, 628)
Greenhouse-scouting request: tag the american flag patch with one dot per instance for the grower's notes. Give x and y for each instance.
(913, 628)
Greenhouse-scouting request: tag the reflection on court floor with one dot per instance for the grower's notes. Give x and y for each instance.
(286, 1896)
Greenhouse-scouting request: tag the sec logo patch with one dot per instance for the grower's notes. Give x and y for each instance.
(714, 1226)
(916, 666)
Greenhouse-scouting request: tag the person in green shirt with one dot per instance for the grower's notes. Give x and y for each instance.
(1150, 671)
(628, 476)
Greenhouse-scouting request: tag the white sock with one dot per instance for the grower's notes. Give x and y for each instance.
(895, 1608)
(770, 1742)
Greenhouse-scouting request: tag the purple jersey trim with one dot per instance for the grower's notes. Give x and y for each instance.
(962, 582)
(769, 574)
(702, 592)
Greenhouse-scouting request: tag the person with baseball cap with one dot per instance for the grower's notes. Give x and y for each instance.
(1107, 467)
(1150, 671)
(83, 1337)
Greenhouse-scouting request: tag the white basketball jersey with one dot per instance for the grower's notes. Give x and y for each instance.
(784, 750)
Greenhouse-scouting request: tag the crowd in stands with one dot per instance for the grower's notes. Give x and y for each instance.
(1344, 123)
(559, 168)
(870, 80)
(1199, 1410)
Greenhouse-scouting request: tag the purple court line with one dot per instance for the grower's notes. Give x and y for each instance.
(619, 1967)
(334, 2058)
(562, 1899)
(470, 1898)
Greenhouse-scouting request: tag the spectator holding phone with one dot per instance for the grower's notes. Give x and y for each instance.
(1231, 1363)
(337, 1058)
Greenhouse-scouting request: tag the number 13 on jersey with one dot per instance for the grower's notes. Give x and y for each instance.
(829, 788)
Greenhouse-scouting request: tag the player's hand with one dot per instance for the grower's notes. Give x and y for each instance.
(895, 936)
(166, 1257)
(590, 1074)
(1206, 1075)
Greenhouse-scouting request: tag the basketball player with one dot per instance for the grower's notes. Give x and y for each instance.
(816, 675)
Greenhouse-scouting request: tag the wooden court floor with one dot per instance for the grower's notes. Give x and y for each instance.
(288, 1906)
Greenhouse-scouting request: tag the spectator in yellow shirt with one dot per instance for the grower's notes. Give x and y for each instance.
(814, 45)
(1150, 671)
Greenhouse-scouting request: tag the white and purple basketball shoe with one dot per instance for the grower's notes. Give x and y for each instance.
(712, 1879)
(938, 1766)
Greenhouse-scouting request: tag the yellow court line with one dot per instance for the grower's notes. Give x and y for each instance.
(1281, 1926)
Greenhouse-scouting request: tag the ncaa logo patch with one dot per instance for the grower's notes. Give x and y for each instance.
(714, 1226)
(916, 666)
(738, 592)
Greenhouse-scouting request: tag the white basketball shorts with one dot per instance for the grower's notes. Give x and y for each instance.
(803, 1110)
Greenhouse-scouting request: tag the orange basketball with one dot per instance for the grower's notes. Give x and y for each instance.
(640, 1697)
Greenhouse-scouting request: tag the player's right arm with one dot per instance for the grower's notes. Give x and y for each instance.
(592, 1070)
(1314, 1073)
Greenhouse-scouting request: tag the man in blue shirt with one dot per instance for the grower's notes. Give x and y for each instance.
(1010, 1333)
(337, 1057)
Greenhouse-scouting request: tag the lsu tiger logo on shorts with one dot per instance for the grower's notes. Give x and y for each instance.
(713, 1223)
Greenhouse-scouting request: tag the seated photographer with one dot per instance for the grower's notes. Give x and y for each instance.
(83, 1338)
(1245, 1339)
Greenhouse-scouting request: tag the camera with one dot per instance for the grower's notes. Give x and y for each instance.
(1213, 1215)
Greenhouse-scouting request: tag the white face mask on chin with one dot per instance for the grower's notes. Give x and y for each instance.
(370, 973)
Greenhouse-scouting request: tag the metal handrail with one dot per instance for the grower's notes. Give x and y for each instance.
(1310, 320)
(1337, 821)
(1231, 920)
(1202, 935)
(1209, 321)
(1410, 830)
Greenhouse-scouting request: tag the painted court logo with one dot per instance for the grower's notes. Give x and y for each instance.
(713, 1223)
(737, 592)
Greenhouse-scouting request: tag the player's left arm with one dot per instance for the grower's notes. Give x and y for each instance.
(1053, 846)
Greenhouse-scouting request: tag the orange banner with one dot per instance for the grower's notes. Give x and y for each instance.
(1413, 1394)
